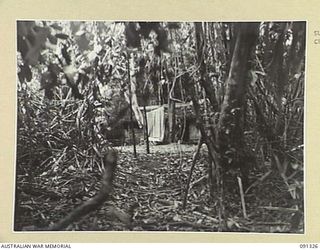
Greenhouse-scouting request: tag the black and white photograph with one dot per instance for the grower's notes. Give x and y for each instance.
(160, 126)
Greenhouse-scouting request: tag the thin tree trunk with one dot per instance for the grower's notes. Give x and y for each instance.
(146, 128)
(204, 79)
(131, 110)
(171, 119)
(194, 160)
(212, 149)
(132, 130)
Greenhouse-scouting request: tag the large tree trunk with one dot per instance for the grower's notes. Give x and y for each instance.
(230, 126)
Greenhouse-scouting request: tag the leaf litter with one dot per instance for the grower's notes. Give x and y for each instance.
(155, 184)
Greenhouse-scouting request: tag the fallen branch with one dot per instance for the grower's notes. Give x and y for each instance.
(196, 182)
(281, 209)
(110, 162)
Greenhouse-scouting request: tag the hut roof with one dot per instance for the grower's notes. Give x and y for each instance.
(180, 108)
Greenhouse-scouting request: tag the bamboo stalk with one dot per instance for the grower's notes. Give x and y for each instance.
(242, 198)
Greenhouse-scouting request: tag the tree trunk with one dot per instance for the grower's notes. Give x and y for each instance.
(146, 129)
(171, 119)
(230, 126)
(131, 110)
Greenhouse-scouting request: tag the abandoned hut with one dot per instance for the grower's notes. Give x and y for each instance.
(183, 128)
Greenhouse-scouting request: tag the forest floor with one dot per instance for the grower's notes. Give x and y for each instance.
(155, 183)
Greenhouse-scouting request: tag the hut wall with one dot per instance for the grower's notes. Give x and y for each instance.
(193, 132)
(139, 136)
